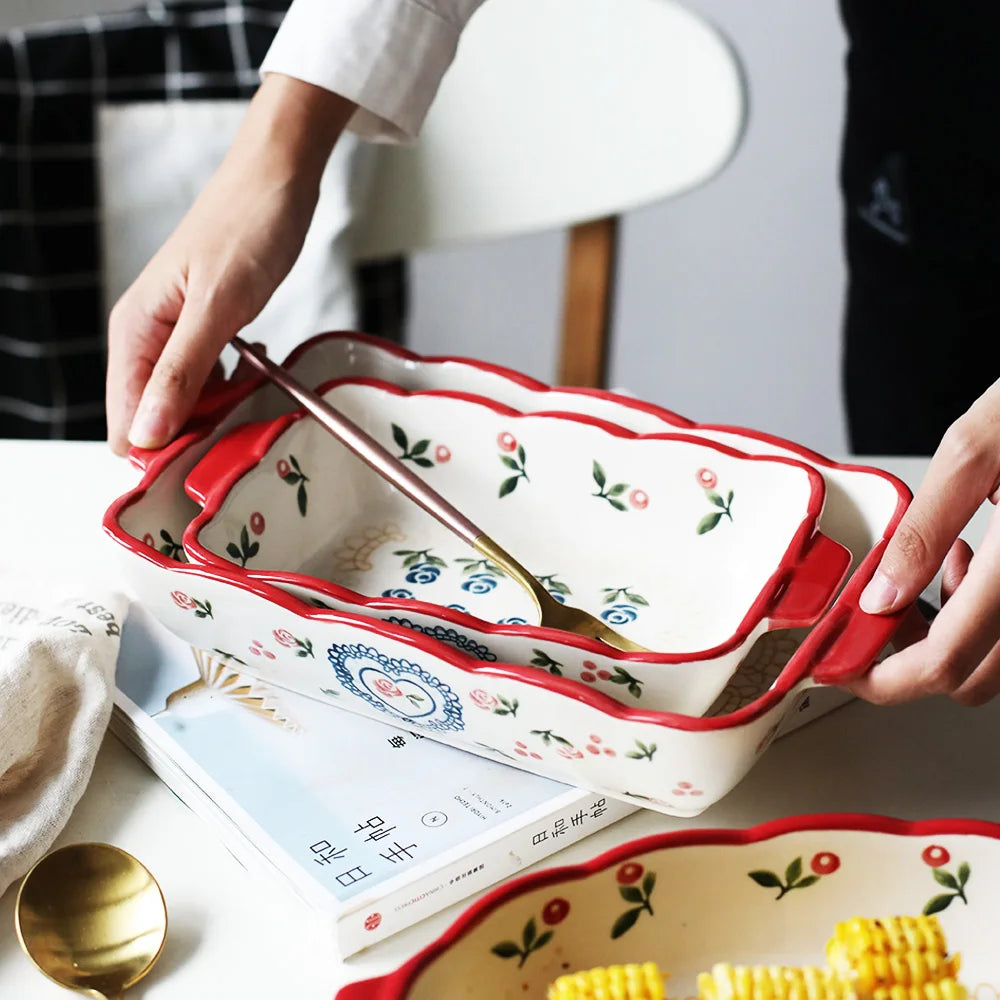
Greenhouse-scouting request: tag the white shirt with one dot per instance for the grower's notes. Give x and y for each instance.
(387, 56)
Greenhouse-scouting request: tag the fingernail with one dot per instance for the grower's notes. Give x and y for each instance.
(149, 426)
(879, 595)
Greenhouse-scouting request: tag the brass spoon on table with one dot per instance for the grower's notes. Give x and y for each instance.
(551, 613)
(91, 918)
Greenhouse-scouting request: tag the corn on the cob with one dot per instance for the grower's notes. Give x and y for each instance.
(616, 982)
(769, 982)
(879, 954)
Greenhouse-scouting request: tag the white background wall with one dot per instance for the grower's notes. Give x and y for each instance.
(728, 298)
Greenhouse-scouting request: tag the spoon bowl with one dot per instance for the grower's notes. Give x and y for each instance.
(91, 918)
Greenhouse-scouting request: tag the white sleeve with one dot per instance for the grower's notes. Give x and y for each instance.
(388, 56)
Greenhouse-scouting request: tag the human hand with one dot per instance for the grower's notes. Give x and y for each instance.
(221, 265)
(958, 654)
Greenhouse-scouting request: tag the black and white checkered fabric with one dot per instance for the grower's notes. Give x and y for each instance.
(53, 77)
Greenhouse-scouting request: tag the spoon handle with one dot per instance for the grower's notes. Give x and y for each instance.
(363, 445)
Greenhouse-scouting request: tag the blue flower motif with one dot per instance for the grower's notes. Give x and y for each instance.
(512, 621)
(480, 583)
(620, 614)
(423, 573)
(557, 596)
(398, 592)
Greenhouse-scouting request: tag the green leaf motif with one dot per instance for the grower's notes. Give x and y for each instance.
(946, 879)
(424, 463)
(508, 485)
(233, 550)
(506, 949)
(767, 879)
(937, 904)
(631, 893)
(528, 935)
(963, 873)
(420, 447)
(399, 436)
(793, 871)
(511, 463)
(625, 922)
(715, 498)
(807, 881)
(302, 499)
(648, 881)
(708, 522)
(599, 476)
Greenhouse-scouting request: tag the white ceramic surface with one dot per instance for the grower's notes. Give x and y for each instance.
(662, 551)
(554, 726)
(770, 895)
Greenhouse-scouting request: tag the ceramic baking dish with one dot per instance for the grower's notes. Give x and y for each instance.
(770, 895)
(560, 726)
(706, 567)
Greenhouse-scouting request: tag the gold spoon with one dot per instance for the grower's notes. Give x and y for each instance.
(91, 918)
(551, 613)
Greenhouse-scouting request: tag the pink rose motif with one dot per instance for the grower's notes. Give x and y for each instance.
(386, 688)
(629, 873)
(935, 856)
(442, 453)
(707, 479)
(555, 911)
(639, 499)
(824, 863)
(506, 441)
(257, 522)
(570, 753)
(283, 468)
(182, 600)
(372, 921)
(285, 638)
(483, 699)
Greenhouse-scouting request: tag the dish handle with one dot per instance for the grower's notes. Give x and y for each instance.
(227, 454)
(812, 584)
(848, 641)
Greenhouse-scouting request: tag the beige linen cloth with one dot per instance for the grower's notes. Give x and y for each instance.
(57, 678)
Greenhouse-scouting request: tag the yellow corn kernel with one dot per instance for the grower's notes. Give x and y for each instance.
(616, 982)
(877, 954)
(769, 982)
(943, 989)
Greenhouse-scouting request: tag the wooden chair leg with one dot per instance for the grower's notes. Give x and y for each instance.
(587, 298)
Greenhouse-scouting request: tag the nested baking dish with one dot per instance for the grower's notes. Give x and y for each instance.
(564, 727)
(692, 569)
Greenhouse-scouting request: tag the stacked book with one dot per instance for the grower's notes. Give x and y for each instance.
(373, 826)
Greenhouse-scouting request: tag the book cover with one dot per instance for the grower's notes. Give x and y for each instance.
(374, 826)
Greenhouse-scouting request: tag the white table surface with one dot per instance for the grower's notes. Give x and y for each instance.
(233, 934)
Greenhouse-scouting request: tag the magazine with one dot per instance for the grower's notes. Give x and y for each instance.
(374, 826)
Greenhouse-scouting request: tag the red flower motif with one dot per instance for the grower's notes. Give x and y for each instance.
(707, 478)
(482, 699)
(629, 873)
(506, 441)
(639, 499)
(372, 921)
(593, 749)
(285, 638)
(605, 675)
(257, 522)
(442, 453)
(148, 539)
(935, 856)
(182, 600)
(386, 688)
(555, 911)
(570, 753)
(283, 468)
(824, 863)
(588, 677)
